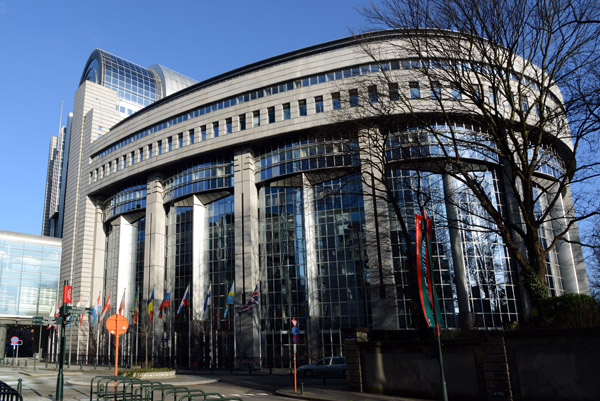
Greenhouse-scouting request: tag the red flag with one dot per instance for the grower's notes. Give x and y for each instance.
(122, 303)
(106, 308)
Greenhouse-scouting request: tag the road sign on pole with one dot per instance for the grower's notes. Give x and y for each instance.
(117, 325)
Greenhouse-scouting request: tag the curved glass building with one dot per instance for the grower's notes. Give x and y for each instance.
(246, 189)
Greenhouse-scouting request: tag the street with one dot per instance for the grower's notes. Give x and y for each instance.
(41, 385)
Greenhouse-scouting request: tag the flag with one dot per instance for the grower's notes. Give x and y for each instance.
(185, 301)
(164, 304)
(425, 274)
(228, 301)
(87, 305)
(252, 301)
(75, 316)
(50, 316)
(106, 308)
(135, 306)
(150, 307)
(206, 302)
(95, 312)
(122, 306)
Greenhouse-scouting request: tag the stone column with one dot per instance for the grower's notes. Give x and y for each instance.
(382, 285)
(246, 252)
(312, 271)
(200, 265)
(465, 313)
(154, 255)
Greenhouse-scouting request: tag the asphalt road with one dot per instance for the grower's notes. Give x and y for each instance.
(41, 385)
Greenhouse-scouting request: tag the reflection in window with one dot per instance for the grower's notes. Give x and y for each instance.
(287, 112)
(318, 104)
(415, 91)
(302, 107)
(353, 97)
(229, 125)
(256, 118)
(336, 101)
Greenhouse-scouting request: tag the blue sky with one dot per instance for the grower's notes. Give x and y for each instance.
(44, 46)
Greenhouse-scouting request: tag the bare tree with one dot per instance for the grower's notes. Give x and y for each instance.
(522, 75)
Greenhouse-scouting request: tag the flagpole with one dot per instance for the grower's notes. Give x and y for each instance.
(171, 342)
(190, 329)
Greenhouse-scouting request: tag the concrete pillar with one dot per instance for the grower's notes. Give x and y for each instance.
(2, 340)
(382, 283)
(570, 256)
(312, 271)
(246, 251)
(154, 255)
(465, 313)
(200, 264)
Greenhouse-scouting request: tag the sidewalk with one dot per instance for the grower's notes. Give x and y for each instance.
(339, 395)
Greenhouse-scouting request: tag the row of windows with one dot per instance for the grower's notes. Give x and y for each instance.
(296, 84)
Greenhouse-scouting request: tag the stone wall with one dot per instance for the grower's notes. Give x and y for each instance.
(520, 365)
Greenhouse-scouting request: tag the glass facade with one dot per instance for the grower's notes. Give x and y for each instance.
(29, 274)
(283, 278)
(343, 270)
(131, 82)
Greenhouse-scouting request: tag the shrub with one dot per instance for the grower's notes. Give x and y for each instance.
(567, 311)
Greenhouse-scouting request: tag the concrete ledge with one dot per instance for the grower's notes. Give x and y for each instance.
(155, 375)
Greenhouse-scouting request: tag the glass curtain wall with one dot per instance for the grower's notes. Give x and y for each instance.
(491, 280)
(135, 336)
(218, 329)
(416, 191)
(553, 275)
(343, 269)
(178, 274)
(283, 277)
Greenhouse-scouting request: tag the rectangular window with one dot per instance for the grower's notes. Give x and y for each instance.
(159, 147)
(353, 97)
(271, 114)
(132, 158)
(180, 141)
(141, 154)
(436, 91)
(302, 107)
(215, 129)
(287, 111)
(415, 91)
(170, 144)
(256, 118)
(393, 92)
(229, 125)
(336, 101)
(456, 94)
(373, 96)
(524, 105)
(319, 104)
(203, 132)
(149, 151)
(109, 169)
(117, 165)
(492, 95)
(192, 137)
(242, 122)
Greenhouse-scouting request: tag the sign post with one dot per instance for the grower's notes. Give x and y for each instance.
(117, 325)
(295, 340)
(15, 342)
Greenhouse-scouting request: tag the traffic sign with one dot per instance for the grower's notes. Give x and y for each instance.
(14, 340)
(296, 339)
(295, 330)
(294, 322)
(117, 325)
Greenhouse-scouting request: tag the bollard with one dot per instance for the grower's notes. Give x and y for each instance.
(19, 363)
(301, 388)
(80, 365)
(20, 386)
(94, 365)
(34, 364)
(46, 364)
(25, 363)
(13, 362)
